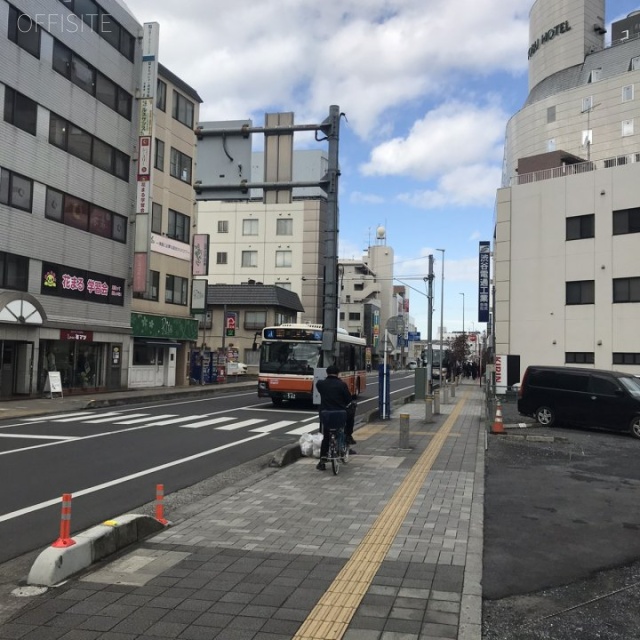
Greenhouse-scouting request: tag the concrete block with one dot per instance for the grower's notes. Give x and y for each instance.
(54, 564)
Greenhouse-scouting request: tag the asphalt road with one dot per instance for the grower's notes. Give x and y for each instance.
(562, 535)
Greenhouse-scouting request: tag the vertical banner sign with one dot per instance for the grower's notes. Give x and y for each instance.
(146, 101)
(483, 281)
(199, 296)
(200, 255)
(501, 374)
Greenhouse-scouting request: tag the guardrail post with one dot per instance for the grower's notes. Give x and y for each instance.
(453, 390)
(436, 402)
(404, 431)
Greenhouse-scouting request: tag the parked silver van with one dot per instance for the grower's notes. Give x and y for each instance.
(582, 397)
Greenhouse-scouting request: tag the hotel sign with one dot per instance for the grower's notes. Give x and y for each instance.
(484, 263)
(549, 35)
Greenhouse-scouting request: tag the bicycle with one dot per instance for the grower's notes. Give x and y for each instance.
(338, 450)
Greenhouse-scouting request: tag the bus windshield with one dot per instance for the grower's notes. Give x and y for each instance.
(289, 357)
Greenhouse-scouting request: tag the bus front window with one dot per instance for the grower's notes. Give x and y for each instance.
(289, 357)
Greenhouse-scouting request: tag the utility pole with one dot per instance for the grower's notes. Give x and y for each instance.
(429, 278)
(215, 185)
(331, 129)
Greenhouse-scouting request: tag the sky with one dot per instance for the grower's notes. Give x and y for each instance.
(426, 87)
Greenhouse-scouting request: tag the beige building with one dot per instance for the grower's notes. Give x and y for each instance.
(273, 244)
(567, 238)
(163, 327)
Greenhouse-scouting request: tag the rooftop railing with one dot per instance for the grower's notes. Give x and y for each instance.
(573, 169)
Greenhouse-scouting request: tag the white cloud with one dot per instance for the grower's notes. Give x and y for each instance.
(368, 56)
(448, 137)
(358, 197)
(465, 186)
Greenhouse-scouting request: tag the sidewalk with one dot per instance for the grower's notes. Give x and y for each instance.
(390, 549)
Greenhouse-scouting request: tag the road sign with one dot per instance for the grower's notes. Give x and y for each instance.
(413, 336)
(395, 325)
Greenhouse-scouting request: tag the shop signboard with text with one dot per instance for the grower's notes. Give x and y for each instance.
(78, 284)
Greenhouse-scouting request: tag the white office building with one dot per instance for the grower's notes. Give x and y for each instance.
(567, 237)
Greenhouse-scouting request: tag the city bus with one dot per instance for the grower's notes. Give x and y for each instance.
(289, 353)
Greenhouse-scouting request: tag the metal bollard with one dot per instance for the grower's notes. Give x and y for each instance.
(453, 390)
(404, 431)
(445, 393)
(428, 409)
(436, 402)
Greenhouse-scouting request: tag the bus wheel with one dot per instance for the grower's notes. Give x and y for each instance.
(277, 402)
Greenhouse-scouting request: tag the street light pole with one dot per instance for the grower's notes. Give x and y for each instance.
(462, 294)
(441, 314)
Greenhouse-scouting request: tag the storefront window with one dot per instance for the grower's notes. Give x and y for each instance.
(145, 355)
(81, 364)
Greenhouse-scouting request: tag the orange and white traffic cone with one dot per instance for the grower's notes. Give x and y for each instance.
(497, 426)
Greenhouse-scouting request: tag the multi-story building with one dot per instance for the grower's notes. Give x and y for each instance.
(275, 244)
(567, 239)
(163, 327)
(68, 80)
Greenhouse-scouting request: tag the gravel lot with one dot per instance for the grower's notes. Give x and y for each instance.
(562, 535)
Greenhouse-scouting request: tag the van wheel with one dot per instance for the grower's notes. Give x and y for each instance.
(635, 427)
(277, 402)
(546, 416)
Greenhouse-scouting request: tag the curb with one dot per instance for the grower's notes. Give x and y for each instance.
(56, 564)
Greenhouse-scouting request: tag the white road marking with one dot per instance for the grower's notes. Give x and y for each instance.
(164, 423)
(133, 476)
(307, 428)
(239, 425)
(32, 437)
(272, 427)
(59, 416)
(107, 417)
(147, 416)
(206, 423)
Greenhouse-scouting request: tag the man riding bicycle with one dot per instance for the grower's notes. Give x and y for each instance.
(335, 398)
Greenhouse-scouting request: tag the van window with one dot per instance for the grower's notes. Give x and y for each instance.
(542, 379)
(632, 385)
(572, 382)
(603, 386)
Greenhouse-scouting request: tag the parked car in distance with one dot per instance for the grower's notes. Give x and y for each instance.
(583, 397)
(412, 364)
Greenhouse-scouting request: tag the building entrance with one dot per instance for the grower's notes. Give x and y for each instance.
(16, 362)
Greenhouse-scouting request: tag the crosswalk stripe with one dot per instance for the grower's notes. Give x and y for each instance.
(163, 423)
(79, 417)
(307, 428)
(239, 425)
(272, 427)
(206, 423)
(106, 417)
(58, 416)
(147, 416)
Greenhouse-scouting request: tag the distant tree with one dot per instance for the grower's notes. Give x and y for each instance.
(459, 349)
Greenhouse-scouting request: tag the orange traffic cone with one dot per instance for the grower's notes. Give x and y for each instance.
(497, 426)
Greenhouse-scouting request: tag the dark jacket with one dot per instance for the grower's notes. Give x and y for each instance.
(334, 393)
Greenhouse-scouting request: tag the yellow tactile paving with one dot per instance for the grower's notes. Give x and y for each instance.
(330, 618)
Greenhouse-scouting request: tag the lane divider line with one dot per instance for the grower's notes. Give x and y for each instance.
(329, 619)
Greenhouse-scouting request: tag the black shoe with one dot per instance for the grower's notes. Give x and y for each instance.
(353, 452)
(350, 440)
(321, 466)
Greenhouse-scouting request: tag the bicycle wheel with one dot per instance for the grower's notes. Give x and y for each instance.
(333, 455)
